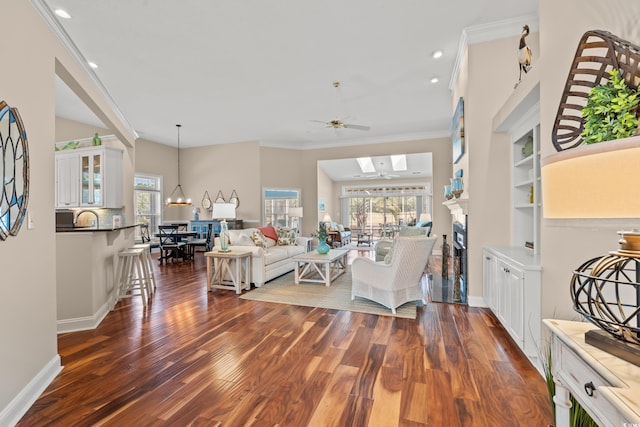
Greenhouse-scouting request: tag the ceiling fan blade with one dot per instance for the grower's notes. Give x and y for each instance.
(357, 127)
(319, 121)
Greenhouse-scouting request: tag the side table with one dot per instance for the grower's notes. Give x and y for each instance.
(229, 270)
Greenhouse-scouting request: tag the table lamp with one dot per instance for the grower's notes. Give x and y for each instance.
(224, 211)
(295, 213)
(600, 181)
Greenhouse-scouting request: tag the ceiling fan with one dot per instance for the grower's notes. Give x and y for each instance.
(381, 174)
(338, 123)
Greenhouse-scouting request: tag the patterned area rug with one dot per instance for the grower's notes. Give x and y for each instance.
(337, 296)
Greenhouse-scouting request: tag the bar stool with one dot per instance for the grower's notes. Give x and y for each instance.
(132, 275)
(147, 262)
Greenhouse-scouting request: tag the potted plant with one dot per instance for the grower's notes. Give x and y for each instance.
(611, 111)
(322, 233)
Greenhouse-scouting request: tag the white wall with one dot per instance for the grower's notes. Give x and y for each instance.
(28, 339)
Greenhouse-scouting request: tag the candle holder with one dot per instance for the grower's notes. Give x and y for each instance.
(456, 187)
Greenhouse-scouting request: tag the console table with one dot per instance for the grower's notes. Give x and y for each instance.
(607, 387)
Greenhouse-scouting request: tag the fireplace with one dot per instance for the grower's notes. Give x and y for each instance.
(459, 244)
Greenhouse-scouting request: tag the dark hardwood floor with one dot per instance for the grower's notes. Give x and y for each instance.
(198, 358)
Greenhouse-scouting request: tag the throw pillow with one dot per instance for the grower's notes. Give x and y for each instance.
(412, 231)
(259, 239)
(340, 228)
(287, 236)
(244, 240)
(269, 232)
(271, 242)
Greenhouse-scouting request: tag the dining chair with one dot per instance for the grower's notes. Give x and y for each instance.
(171, 247)
(202, 243)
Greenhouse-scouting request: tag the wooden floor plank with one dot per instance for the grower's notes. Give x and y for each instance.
(199, 358)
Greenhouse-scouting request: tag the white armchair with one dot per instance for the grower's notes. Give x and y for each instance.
(397, 282)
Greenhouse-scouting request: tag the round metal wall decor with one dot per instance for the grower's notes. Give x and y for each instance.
(14, 171)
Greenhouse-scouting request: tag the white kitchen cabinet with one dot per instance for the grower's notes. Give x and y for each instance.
(67, 180)
(512, 290)
(89, 177)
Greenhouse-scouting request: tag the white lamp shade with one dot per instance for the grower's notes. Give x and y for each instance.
(327, 218)
(295, 212)
(593, 181)
(425, 217)
(224, 211)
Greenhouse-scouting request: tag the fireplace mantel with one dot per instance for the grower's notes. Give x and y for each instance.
(457, 205)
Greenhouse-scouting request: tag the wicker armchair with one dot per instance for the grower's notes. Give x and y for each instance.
(397, 282)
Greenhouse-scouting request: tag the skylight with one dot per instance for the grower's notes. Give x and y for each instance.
(366, 165)
(399, 162)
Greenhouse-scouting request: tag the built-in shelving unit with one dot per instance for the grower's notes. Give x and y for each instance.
(525, 178)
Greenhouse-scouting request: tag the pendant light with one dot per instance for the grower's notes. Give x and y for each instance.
(177, 197)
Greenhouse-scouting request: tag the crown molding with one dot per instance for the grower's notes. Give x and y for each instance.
(357, 141)
(488, 32)
(48, 16)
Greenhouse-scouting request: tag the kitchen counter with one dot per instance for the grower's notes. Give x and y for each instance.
(101, 228)
(85, 273)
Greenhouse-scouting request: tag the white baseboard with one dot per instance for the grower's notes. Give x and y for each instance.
(10, 415)
(476, 302)
(84, 323)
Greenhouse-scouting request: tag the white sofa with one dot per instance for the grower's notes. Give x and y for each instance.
(269, 263)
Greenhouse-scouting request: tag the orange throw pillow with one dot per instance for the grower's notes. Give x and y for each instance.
(269, 232)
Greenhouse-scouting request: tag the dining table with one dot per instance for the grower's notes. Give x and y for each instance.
(183, 235)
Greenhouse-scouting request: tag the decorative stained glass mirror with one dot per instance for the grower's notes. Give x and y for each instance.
(14, 171)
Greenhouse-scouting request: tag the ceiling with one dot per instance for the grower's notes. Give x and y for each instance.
(264, 70)
(419, 167)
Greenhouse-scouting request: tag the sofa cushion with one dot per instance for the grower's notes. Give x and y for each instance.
(341, 228)
(275, 255)
(287, 236)
(269, 232)
(293, 250)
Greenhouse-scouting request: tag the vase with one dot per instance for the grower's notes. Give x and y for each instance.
(224, 236)
(445, 256)
(323, 248)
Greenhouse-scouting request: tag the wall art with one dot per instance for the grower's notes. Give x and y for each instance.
(14, 171)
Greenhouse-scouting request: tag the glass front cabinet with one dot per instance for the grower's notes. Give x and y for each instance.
(89, 177)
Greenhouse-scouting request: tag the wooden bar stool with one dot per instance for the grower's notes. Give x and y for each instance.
(132, 276)
(148, 265)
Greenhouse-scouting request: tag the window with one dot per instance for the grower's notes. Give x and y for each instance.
(277, 202)
(373, 209)
(147, 191)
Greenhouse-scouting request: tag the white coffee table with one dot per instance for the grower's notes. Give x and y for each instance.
(320, 268)
(230, 270)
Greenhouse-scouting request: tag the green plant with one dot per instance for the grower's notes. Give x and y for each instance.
(610, 112)
(322, 232)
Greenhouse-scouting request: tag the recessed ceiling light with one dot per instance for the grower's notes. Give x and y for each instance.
(434, 80)
(437, 54)
(92, 65)
(62, 13)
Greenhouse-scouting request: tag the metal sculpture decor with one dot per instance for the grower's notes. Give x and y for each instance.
(606, 291)
(14, 171)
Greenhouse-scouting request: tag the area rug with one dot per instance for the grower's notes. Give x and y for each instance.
(361, 247)
(283, 290)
